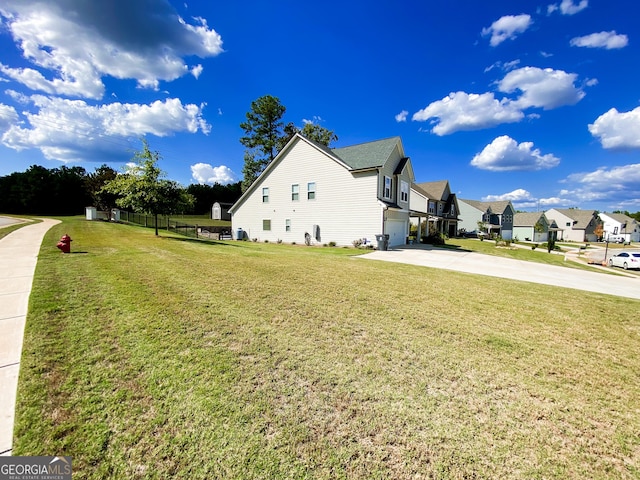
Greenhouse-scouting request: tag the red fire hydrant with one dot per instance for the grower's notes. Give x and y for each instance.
(65, 244)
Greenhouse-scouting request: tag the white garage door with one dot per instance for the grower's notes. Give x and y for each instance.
(397, 231)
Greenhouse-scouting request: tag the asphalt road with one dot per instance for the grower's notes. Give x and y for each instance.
(471, 262)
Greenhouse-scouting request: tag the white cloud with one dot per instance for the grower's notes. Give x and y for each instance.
(504, 154)
(617, 130)
(567, 7)
(72, 130)
(505, 66)
(617, 186)
(542, 88)
(402, 116)
(464, 111)
(545, 88)
(8, 116)
(205, 173)
(519, 195)
(507, 28)
(607, 40)
(315, 120)
(79, 42)
(197, 70)
(610, 178)
(555, 201)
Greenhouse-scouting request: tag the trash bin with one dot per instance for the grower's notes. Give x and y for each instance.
(239, 234)
(383, 241)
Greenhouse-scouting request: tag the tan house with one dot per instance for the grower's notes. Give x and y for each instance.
(575, 225)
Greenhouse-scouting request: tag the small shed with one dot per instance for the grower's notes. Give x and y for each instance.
(220, 211)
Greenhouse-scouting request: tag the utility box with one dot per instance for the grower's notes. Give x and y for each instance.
(92, 213)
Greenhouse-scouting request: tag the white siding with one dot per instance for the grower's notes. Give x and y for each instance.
(469, 216)
(345, 207)
(418, 202)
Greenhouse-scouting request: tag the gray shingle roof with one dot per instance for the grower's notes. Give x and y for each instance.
(526, 219)
(620, 217)
(434, 190)
(367, 155)
(582, 218)
(497, 207)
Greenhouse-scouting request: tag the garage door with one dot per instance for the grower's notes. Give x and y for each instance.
(397, 231)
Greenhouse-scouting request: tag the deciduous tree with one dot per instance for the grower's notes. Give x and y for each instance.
(142, 188)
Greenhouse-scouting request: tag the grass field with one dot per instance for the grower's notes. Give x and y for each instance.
(165, 357)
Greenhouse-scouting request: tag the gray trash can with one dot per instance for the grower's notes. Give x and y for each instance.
(239, 234)
(383, 241)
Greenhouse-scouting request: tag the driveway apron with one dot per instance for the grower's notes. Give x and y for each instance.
(471, 262)
(18, 257)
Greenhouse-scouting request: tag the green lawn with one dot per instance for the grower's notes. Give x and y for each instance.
(165, 357)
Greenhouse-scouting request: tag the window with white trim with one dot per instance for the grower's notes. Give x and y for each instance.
(266, 224)
(388, 187)
(404, 191)
(295, 192)
(265, 195)
(432, 207)
(311, 191)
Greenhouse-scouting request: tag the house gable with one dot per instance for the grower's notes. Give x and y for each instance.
(575, 225)
(310, 189)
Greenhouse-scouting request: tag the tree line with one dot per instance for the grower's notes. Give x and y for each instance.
(142, 188)
(68, 190)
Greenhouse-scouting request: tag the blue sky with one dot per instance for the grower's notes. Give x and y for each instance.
(535, 102)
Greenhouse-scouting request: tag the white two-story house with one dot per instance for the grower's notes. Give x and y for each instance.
(620, 225)
(316, 195)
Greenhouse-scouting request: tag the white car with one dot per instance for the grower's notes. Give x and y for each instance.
(615, 239)
(625, 260)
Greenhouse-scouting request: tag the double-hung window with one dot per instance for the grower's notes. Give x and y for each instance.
(404, 191)
(311, 191)
(388, 187)
(266, 224)
(265, 195)
(295, 192)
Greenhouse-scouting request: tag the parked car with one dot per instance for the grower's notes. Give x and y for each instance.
(625, 260)
(615, 239)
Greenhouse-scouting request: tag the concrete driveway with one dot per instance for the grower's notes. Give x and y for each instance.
(471, 262)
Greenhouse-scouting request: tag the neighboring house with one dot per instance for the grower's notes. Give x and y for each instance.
(496, 217)
(435, 202)
(220, 211)
(311, 193)
(575, 225)
(619, 224)
(532, 226)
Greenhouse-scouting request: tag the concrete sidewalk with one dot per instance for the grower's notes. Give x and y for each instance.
(18, 257)
(471, 262)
